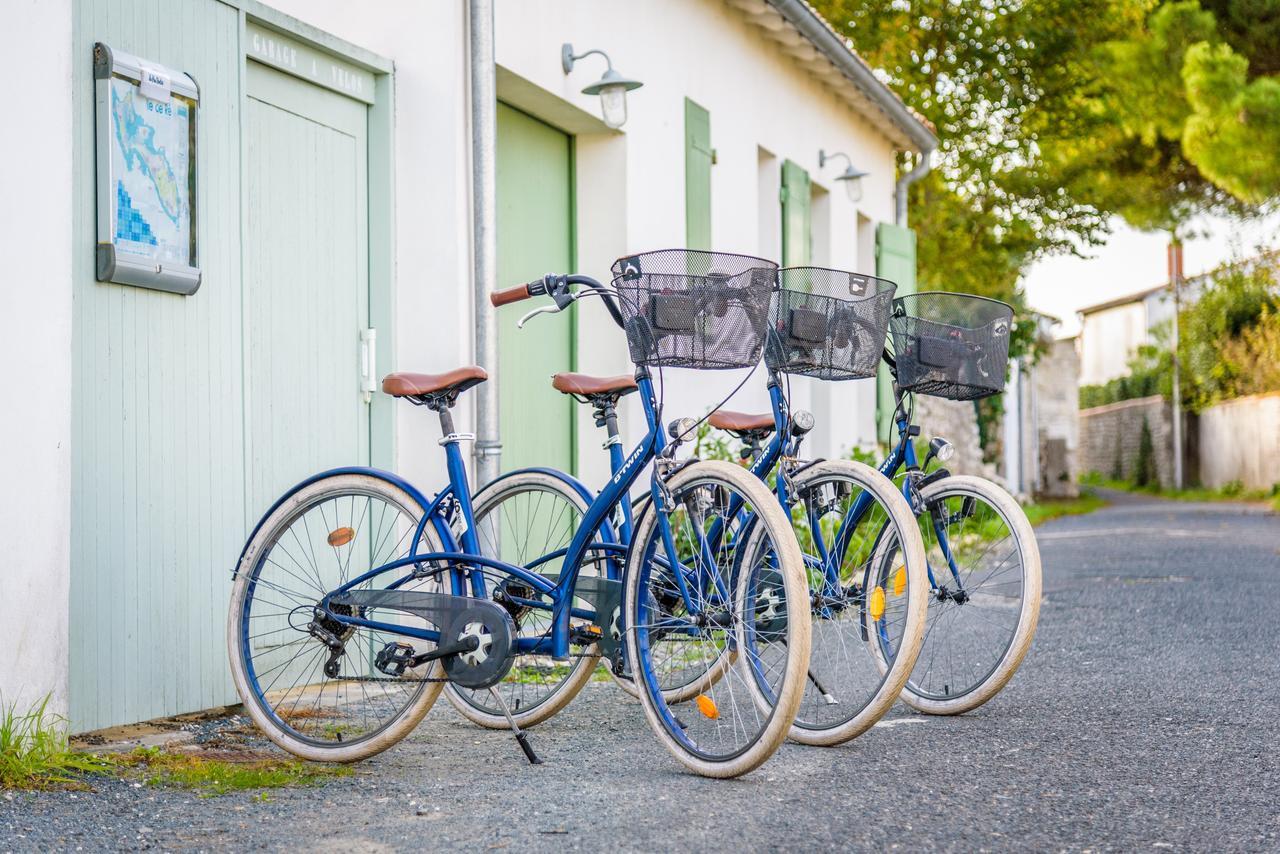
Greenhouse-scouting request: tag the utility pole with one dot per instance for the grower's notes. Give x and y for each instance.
(1175, 281)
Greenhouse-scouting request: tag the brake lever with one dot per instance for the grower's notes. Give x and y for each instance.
(546, 309)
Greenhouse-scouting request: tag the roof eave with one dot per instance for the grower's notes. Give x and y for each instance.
(816, 30)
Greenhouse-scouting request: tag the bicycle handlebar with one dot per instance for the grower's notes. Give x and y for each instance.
(509, 295)
(558, 288)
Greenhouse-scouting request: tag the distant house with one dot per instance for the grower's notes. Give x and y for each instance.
(1112, 331)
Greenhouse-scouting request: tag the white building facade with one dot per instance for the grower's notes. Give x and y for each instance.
(334, 196)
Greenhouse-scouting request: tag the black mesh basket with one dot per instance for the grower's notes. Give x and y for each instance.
(685, 308)
(829, 324)
(951, 345)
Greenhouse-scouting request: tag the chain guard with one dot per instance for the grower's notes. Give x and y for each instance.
(491, 661)
(452, 616)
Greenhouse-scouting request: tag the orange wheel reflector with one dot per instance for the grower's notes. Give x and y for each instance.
(876, 603)
(900, 581)
(341, 537)
(707, 706)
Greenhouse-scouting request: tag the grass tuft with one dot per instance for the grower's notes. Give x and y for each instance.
(1233, 491)
(211, 775)
(35, 753)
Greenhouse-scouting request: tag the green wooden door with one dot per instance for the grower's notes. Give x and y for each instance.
(306, 284)
(157, 475)
(697, 176)
(895, 261)
(797, 238)
(535, 236)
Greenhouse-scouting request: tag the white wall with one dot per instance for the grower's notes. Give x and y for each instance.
(433, 305)
(1240, 441)
(35, 349)
(758, 98)
(1108, 339)
(630, 184)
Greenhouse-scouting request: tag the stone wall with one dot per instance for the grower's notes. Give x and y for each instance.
(956, 421)
(1110, 436)
(1240, 441)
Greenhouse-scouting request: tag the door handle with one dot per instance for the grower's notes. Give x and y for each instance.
(368, 363)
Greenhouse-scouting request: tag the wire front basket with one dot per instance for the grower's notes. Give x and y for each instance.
(951, 345)
(828, 324)
(685, 308)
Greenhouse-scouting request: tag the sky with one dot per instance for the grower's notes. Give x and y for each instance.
(1133, 261)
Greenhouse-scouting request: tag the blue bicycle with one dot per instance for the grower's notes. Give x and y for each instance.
(982, 566)
(356, 599)
(864, 559)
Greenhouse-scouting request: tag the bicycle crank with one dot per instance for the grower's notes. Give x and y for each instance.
(477, 636)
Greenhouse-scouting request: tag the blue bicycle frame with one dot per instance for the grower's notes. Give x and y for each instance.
(462, 559)
(901, 455)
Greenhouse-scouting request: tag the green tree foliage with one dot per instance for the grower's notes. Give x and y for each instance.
(1053, 115)
(1180, 123)
(996, 78)
(1223, 331)
(1233, 131)
(1144, 467)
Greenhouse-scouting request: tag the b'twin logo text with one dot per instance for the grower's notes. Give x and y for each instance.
(626, 467)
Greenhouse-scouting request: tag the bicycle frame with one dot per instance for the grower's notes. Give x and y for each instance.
(460, 559)
(902, 455)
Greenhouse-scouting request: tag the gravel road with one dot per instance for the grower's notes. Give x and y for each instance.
(1145, 717)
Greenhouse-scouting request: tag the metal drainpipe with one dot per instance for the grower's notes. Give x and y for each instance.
(900, 189)
(484, 238)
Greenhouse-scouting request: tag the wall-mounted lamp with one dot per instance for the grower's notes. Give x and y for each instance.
(851, 177)
(612, 87)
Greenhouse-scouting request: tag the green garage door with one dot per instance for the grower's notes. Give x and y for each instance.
(535, 236)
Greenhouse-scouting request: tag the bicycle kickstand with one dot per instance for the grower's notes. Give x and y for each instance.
(521, 738)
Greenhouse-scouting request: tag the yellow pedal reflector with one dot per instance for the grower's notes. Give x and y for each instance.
(341, 537)
(876, 603)
(900, 581)
(707, 706)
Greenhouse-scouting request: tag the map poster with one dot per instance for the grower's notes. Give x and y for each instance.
(146, 173)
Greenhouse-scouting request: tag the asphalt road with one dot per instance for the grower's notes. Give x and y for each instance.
(1145, 717)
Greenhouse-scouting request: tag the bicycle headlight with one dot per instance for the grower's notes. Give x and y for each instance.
(802, 422)
(681, 429)
(942, 449)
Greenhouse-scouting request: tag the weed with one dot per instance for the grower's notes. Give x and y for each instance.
(217, 775)
(1233, 491)
(35, 754)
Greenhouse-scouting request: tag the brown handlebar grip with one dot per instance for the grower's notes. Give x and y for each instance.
(509, 295)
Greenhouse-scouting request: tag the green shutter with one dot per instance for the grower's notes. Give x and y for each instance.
(796, 238)
(697, 176)
(895, 261)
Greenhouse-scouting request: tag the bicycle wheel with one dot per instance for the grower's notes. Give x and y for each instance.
(520, 520)
(985, 602)
(694, 682)
(683, 614)
(314, 702)
(865, 565)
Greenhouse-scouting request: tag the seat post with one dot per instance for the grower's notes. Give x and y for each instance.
(446, 420)
(607, 417)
